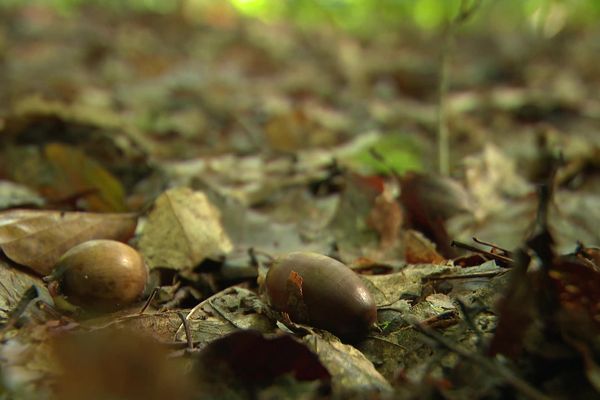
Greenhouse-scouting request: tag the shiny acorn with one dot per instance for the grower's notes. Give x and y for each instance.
(102, 274)
(317, 290)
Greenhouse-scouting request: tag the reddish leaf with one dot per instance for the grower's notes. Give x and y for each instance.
(429, 201)
(255, 360)
(419, 250)
(576, 282)
(37, 239)
(386, 218)
(516, 311)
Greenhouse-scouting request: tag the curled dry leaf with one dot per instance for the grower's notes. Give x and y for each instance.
(183, 229)
(61, 173)
(429, 201)
(255, 359)
(420, 250)
(37, 239)
(352, 374)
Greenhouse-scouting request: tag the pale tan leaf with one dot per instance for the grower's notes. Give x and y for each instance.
(183, 229)
(37, 238)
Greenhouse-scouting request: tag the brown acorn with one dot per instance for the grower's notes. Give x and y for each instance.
(320, 291)
(102, 274)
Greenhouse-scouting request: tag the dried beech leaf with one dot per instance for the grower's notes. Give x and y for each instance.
(79, 174)
(37, 239)
(183, 229)
(420, 250)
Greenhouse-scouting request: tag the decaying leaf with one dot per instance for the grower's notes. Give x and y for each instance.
(386, 219)
(420, 250)
(80, 174)
(183, 229)
(15, 284)
(61, 172)
(223, 313)
(37, 239)
(253, 360)
(429, 201)
(352, 373)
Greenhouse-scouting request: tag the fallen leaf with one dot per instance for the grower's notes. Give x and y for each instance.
(429, 201)
(351, 372)
(15, 284)
(37, 239)
(16, 195)
(231, 309)
(420, 250)
(386, 218)
(183, 229)
(80, 173)
(61, 172)
(256, 360)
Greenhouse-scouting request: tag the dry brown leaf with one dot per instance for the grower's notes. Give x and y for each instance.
(37, 238)
(80, 173)
(420, 250)
(183, 229)
(386, 218)
(63, 173)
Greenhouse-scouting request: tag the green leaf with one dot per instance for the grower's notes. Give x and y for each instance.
(399, 152)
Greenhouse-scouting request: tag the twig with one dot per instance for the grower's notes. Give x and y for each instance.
(516, 382)
(477, 250)
(489, 274)
(223, 315)
(493, 246)
(188, 332)
(150, 298)
(468, 318)
(28, 296)
(388, 342)
(465, 12)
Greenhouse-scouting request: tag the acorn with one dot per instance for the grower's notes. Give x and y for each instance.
(317, 290)
(102, 275)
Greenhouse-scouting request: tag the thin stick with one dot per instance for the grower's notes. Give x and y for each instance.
(516, 382)
(489, 274)
(505, 252)
(28, 296)
(474, 249)
(188, 332)
(464, 13)
(150, 298)
(442, 120)
(223, 315)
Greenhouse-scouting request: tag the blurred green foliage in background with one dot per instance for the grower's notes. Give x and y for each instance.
(366, 16)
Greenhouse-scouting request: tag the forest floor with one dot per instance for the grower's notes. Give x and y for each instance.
(215, 146)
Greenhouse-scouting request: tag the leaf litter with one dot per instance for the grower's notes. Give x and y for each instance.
(263, 139)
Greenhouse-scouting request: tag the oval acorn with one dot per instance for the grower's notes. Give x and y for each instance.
(320, 291)
(102, 274)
